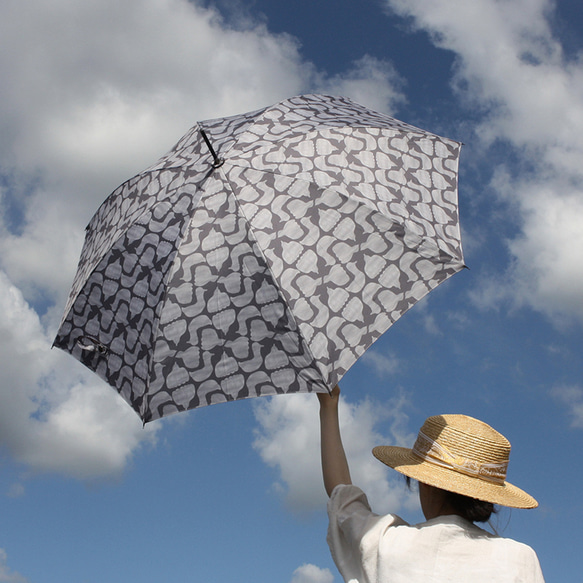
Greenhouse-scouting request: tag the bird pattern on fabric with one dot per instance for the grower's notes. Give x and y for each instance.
(272, 273)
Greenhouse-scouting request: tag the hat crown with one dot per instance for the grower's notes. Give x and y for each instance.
(465, 439)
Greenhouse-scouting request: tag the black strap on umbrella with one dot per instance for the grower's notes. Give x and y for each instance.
(91, 344)
(217, 162)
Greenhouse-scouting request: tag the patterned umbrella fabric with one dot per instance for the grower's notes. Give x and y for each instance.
(263, 254)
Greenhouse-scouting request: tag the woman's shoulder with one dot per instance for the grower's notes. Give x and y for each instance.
(472, 534)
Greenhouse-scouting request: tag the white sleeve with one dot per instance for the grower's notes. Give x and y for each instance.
(532, 567)
(354, 532)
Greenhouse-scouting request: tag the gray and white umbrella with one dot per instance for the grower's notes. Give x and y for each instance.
(263, 254)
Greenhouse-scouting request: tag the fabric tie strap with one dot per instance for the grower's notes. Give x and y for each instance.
(435, 453)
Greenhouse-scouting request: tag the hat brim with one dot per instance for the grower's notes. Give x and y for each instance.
(406, 462)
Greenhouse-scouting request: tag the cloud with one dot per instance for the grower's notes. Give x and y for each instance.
(54, 417)
(512, 70)
(311, 574)
(92, 92)
(370, 81)
(572, 397)
(9, 576)
(95, 91)
(16, 490)
(288, 439)
(383, 364)
(549, 254)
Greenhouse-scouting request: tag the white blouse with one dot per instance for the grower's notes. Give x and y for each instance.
(368, 548)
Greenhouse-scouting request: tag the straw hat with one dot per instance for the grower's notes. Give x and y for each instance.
(462, 455)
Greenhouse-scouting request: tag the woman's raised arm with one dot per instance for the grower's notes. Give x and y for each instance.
(334, 465)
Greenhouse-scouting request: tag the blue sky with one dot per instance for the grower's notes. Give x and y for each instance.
(92, 92)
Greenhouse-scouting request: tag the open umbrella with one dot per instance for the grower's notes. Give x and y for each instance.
(263, 254)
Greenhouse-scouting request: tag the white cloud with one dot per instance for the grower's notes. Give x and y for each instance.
(549, 254)
(288, 438)
(42, 254)
(546, 270)
(512, 69)
(91, 93)
(382, 364)
(54, 417)
(6, 574)
(370, 81)
(572, 397)
(311, 574)
(16, 490)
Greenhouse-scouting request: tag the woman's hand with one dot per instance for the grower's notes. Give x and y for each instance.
(329, 399)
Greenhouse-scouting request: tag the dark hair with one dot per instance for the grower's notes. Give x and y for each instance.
(469, 508)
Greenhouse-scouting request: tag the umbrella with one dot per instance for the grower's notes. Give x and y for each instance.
(262, 255)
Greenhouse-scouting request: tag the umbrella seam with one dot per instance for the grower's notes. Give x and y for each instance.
(161, 303)
(268, 266)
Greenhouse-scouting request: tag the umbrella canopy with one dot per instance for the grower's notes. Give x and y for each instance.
(263, 254)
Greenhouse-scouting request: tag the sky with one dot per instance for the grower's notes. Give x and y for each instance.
(94, 91)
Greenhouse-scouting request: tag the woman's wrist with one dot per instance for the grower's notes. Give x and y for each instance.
(329, 400)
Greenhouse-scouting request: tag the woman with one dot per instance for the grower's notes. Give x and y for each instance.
(460, 464)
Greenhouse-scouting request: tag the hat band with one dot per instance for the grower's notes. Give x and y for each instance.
(435, 453)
